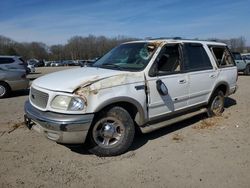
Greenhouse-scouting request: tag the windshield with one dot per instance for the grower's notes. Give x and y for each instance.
(129, 57)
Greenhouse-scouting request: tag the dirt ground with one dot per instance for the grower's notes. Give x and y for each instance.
(199, 152)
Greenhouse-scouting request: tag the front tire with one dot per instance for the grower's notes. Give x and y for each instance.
(216, 104)
(112, 133)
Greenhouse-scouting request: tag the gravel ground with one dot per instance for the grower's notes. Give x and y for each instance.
(199, 152)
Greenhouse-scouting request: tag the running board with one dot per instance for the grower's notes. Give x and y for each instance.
(152, 127)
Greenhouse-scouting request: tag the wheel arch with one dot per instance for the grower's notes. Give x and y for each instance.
(133, 107)
(223, 86)
(2, 81)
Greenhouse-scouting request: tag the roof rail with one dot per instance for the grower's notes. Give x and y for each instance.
(162, 38)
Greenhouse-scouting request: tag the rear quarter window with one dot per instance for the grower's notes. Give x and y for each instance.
(222, 56)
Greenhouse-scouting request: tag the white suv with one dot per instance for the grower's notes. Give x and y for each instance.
(144, 84)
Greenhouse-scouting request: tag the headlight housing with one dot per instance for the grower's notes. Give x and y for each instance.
(68, 103)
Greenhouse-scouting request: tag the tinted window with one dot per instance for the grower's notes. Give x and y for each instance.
(222, 56)
(5, 60)
(237, 56)
(196, 58)
(246, 57)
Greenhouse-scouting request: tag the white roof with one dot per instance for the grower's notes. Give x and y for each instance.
(181, 41)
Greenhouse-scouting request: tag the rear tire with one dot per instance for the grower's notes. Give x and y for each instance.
(216, 104)
(112, 133)
(4, 90)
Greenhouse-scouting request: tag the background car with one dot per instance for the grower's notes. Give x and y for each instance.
(87, 63)
(12, 80)
(31, 68)
(69, 63)
(56, 64)
(242, 65)
(246, 57)
(13, 63)
(47, 63)
(36, 62)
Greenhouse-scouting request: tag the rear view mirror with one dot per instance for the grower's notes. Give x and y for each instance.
(161, 87)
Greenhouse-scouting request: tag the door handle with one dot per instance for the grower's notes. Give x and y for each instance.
(212, 75)
(182, 81)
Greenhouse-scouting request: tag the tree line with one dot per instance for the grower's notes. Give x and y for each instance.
(79, 47)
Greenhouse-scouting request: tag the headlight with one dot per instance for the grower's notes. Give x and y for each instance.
(76, 104)
(67, 103)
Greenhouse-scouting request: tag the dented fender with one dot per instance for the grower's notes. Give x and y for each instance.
(119, 88)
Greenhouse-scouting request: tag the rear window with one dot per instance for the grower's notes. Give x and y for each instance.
(6, 60)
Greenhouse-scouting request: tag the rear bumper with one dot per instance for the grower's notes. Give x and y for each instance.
(61, 128)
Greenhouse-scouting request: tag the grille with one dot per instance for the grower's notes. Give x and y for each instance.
(39, 98)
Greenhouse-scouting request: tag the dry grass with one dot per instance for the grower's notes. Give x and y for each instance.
(177, 137)
(16, 126)
(208, 123)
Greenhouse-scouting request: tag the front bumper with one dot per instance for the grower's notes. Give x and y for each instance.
(62, 128)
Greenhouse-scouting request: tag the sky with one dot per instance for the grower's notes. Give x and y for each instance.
(56, 21)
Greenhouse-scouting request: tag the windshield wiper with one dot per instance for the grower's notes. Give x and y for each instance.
(111, 66)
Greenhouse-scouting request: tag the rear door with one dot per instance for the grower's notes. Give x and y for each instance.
(201, 73)
(167, 70)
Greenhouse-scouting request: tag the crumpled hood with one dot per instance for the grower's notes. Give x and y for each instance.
(71, 79)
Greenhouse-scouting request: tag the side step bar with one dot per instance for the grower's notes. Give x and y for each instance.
(152, 127)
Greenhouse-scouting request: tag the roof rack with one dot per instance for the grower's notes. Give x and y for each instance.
(162, 38)
(179, 38)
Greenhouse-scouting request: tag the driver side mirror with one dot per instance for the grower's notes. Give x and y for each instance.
(161, 88)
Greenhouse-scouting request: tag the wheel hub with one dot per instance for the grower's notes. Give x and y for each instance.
(108, 130)
(2, 90)
(217, 104)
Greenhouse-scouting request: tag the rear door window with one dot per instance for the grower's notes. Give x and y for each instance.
(196, 57)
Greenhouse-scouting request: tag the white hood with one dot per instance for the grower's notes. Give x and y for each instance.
(69, 80)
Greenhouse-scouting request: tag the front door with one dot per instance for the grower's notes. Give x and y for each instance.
(167, 70)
